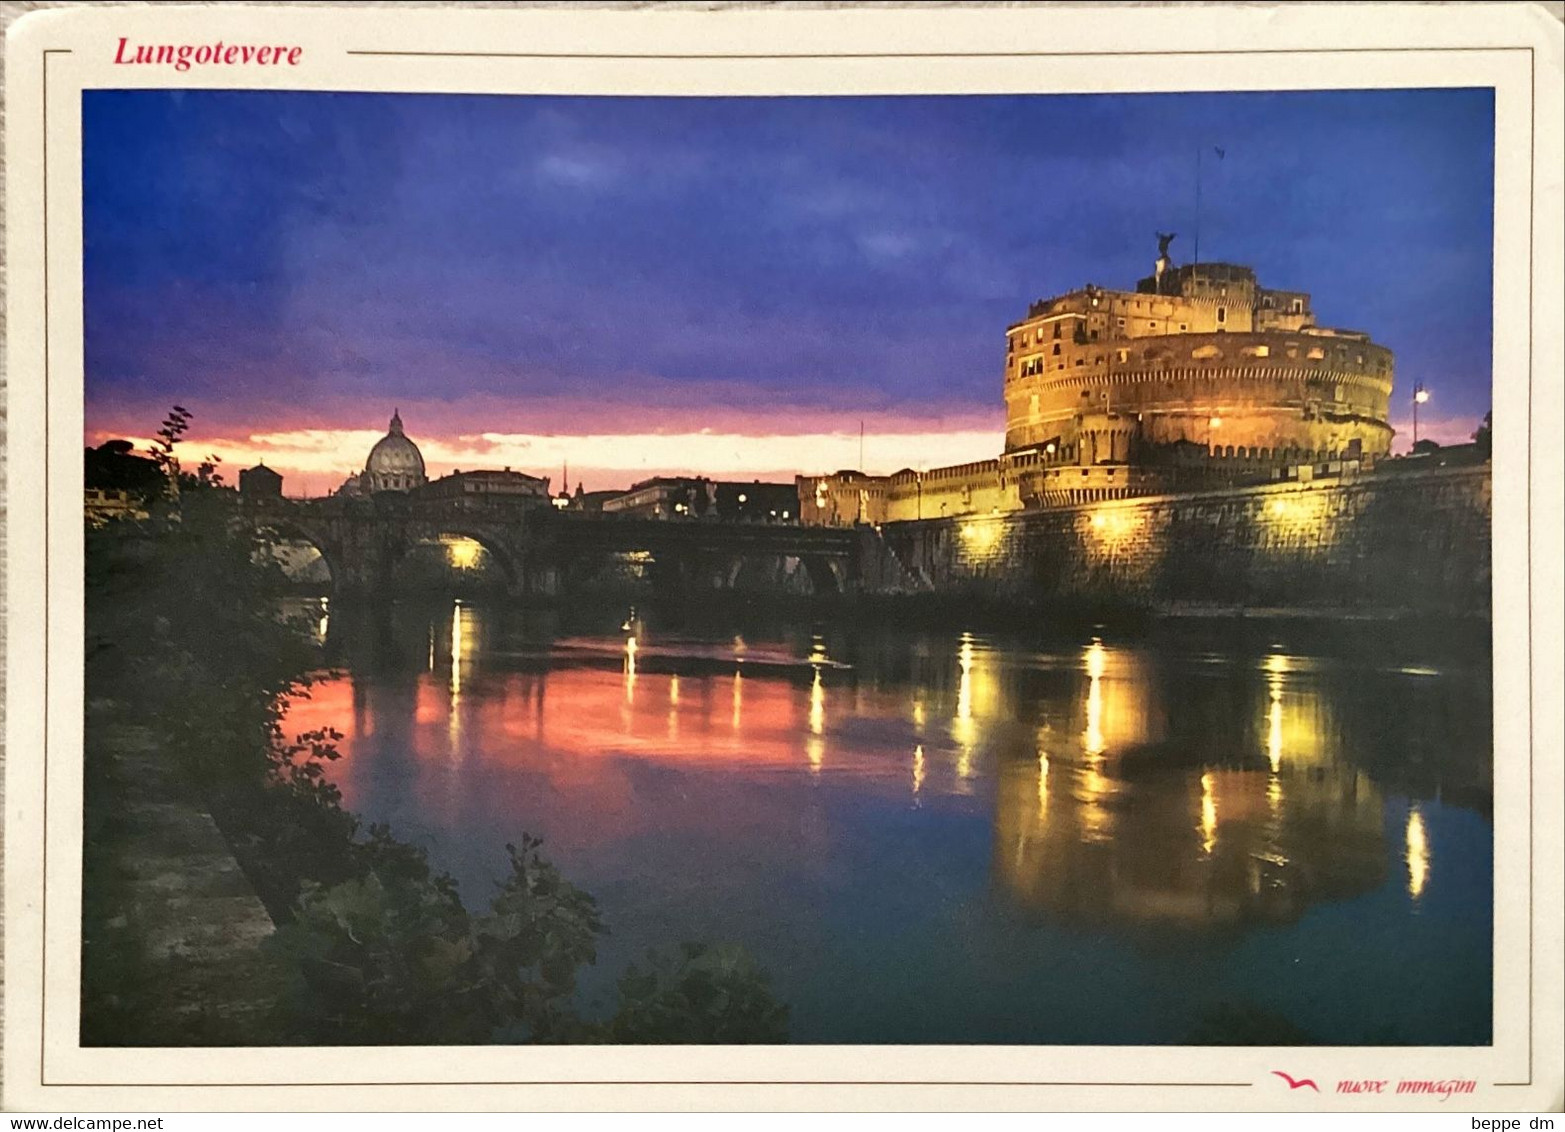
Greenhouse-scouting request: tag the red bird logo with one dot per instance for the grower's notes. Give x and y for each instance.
(1299, 1084)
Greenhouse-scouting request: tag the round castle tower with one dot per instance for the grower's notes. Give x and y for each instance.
(1200, 355)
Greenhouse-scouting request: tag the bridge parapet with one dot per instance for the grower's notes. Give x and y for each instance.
(539, 548)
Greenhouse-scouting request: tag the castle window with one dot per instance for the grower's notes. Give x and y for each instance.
(1222, 314)
(1298, 305)
(1056, 349)
(1121, 323)
(1093, 335)
(1081, 361)
(1184, 326)
(1056, 332)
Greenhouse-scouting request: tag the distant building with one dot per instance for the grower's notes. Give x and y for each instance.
(591, 502)
(486, 485)
(756, 502)
(260, 482)
(118, 483)
(664, 497)
(696, 497)
(102, 504)
(114, 466)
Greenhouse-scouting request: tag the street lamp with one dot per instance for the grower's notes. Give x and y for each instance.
(1420, 395)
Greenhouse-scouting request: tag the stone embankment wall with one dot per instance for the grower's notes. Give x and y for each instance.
(1415, 543)
(176, 930)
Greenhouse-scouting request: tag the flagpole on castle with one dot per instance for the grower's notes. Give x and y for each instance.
(1196, 253)
(1221, 153)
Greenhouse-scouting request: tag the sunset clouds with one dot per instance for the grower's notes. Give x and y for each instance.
(315, 461)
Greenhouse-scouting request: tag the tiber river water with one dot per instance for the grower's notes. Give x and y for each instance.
(944, 836)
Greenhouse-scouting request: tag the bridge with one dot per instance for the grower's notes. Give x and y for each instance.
(542, 551)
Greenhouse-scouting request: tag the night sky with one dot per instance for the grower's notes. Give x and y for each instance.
(724, 286)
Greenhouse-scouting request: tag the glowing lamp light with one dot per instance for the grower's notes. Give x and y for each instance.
(980, 537)
(1417, 855)
(1421, 396)
(1110, 526)
(463, 553)
(1214, 422)
(743, 498)
(1208, 814)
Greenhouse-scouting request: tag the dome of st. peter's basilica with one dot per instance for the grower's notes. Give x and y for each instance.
(395, 463)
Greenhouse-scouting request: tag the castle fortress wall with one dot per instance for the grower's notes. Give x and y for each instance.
(1417, 542)
(1279, 390)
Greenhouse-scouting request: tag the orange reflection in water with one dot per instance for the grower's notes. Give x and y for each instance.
(584, 728)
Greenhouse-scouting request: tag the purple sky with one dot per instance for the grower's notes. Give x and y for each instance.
(724, 285)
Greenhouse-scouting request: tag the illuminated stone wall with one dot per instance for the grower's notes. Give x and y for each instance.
(1415, 541)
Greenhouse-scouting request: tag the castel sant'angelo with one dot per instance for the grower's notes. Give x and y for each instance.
(1199, 377)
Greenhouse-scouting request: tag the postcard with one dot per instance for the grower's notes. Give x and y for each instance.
(967, 559)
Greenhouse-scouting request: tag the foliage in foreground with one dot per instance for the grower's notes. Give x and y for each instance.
(378, 947)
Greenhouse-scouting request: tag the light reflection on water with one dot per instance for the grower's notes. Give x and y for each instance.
(938, 837)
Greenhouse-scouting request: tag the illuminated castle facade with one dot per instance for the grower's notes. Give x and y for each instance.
(1200, 354)
(1198, 377)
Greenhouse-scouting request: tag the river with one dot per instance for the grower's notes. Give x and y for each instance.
(1182, 832)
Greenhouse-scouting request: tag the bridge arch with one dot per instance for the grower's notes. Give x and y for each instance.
(822, 573)
(508, 558)
(272, 529)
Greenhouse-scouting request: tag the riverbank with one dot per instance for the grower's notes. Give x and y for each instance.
(172, 929)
